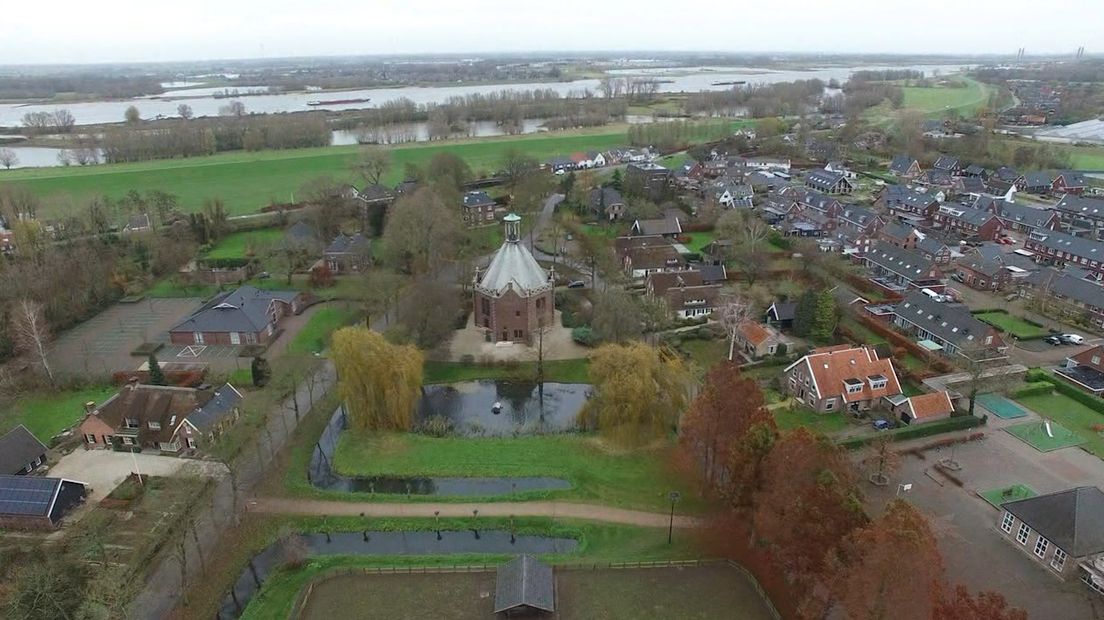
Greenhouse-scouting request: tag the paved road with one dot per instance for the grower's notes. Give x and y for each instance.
(565, 510)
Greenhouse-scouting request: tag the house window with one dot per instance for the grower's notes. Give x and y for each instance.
(197, 337)
(517, 312)
(89, 438)
(829, 404)
(131, 423)
(1096, 359)
(517, 333)
(1058, 562)
(854, 389)
(1041, 545)
(1007, 521)
(1021, 535)
(108, 439)
(128, 441)
(191, 443)
(154, 426)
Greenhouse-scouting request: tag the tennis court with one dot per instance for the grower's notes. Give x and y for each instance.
(1001, 406)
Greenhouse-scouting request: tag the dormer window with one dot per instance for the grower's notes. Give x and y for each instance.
(154, 426)
(854, 386)
(131, 423)
(877, 382)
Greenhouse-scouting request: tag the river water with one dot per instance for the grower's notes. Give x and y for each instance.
(203, 103)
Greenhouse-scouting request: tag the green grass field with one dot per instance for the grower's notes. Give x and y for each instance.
(699, 240)
(247, 181)
(1012, 324)
(935, 101)
(827, 423)
(638, 478)
(996, 497)
(1070, 414)
(1034, 434)
(560, 371)
(46, 415)
(315, 335)
(244, 244)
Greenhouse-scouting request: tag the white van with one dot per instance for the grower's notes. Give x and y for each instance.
(935, 296)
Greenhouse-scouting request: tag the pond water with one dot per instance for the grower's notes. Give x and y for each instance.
(470, 408)
(304, 546)
(677, 80)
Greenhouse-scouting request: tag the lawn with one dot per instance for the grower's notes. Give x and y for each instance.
(827, 423)
(1011, 324)
(1034, 434)
(315, 335)
(635, 478)
(699, 240)
(174, 286)
(936, 101)
(996, 497)
(247, 181)
(706, 353)
(47, 414)
(1072, 415)
(244, 244)
(560, 371)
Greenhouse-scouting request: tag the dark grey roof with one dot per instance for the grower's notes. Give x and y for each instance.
(859, 216)
(937, 177)
(1073, 178)
(660, 226)
(612, 197)
(221, 403)
(817, 200)
(966, 214)
(1080, 205)
(901, 164)
(946, 162)
(782, 311)
(908, 263)
(376, 192)
(897, 230)
(950, 322)
(524, 582)
(241, 310)
(1014, 211)
(29, 496)
(1072, 519)
(1077, 246)
(301, 232)
(931, 245)
(1006, 174)
(18, 448)
(347, 244)
(1068, 286)
(140, 221)
(1038, 179)
(477, 199)
(712, 273)
(901, 195)
(971, 185)
(975, 170)
(990, 268)
(824, 180)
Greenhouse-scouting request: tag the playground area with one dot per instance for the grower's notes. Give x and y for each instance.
(1045, 436)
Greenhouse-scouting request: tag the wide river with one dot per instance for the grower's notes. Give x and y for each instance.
(677, 80)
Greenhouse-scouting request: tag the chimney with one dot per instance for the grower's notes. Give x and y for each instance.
(90, 408)
(132, 383)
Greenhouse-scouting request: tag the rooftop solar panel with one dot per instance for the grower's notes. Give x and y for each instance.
(27, 495)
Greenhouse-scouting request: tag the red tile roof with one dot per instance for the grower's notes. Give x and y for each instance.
(831, 366)
(931, 405)
(754, 333)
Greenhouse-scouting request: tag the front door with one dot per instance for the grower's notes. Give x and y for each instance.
(235, 338)
(197, 337)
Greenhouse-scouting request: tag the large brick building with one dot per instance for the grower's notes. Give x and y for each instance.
(514, 295)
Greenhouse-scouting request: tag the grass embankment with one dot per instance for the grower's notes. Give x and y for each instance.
(1074, 416)
(597, 543)
(247, 181)
(558, 371)
(47, 414)
(315, 335)
(639, 478)
(1012, 324)
(935, 101)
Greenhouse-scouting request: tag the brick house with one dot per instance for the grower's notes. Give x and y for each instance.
(983, 275)
(949, 329)
(829, 182)
(756, 340)
(247, 315)
(841, 377)
(689, 302)
(172, 420)
(640, 256)
(1017, 216)
(477, 209)
(1069, 182)
(1062, 531)
(968, 222)
(347, 253)
(1085, 370)
(606, 202)
(513, 296)
(908, 203)
(905, 167)
(1065, 295)
(1059, 249)
(649, 179)
(901, 269)
(1081, 213)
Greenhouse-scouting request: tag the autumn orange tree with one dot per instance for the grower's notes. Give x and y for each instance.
(727, 431)
(959, 604)
(807, 502)
(871, 564)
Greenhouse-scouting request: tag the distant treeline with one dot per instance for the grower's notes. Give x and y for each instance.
(106, 86)
(361, 75)
(759, 100)
(675, 135)
(885, 75)
(1086, 70)
(212, 135)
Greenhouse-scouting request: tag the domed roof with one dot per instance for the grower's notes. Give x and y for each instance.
(513, 266)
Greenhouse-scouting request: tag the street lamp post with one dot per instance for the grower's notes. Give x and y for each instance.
(674, 497)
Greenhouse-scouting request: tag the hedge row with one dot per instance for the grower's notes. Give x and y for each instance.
(1037, 388)
(1036, 375)
(956, 423)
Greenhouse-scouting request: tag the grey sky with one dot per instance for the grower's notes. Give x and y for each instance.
(157, 30)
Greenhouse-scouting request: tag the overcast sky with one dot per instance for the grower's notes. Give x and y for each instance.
(64, 31)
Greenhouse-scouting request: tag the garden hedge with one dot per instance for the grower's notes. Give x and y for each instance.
(956, 423)
(1036, 375)
(1036, 388)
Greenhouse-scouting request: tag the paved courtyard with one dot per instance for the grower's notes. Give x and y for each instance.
(472, 340)
(103, 343)
(974, 551)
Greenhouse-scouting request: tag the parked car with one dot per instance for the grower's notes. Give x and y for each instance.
(1053, 340)
(880, 424)
(958, 277)
(576, 284)
(1072, 339)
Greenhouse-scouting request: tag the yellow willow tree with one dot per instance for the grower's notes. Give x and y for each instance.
(380, 382)
(639, 393)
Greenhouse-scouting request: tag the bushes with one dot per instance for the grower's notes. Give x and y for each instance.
(956, 423)
(1036, 375)
(1037, 388)
(584, 336)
